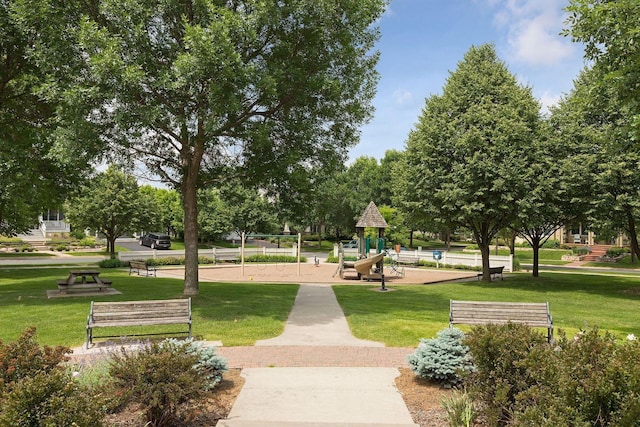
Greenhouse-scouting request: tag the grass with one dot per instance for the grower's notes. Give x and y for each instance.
(24, 254)
(403, 316)
(623, 263)
(234, 313)
(241, 313)
(525, 255)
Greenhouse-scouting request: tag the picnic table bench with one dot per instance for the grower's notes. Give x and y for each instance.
(83, 279)
(486, 312)
(138, 313)
(141, 267)
(494, 272)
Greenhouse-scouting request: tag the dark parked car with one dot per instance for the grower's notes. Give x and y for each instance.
(156, 240)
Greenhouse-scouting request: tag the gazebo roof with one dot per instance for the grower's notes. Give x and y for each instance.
(371, 217)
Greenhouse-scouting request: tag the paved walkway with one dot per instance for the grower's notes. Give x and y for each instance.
(317, 374)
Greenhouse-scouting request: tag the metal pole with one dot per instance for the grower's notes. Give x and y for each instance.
(242, 255)
(299, 251)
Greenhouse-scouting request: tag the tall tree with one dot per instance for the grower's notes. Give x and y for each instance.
(110, 204)
(199, 90)
(37, 65)
(465, 158)
(609, 30)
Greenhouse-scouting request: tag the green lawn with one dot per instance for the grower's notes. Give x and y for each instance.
(241, 313)
(236, 314)
(24, 254)
(403, 316)
(547, 256)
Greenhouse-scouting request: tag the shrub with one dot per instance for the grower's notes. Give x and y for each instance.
(209, 364)
(171, 260)
(111, 263)
(616, 252)
(164, 376)
(499, 378)
(50, 399)
(596, 382)
(551, 244)
(580, 250)
(87, 241)
(274, 258)
(442, 359)
(590, 380)
(37, 391)
(24, 358)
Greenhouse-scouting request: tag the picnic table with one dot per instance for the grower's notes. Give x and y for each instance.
(83, 279)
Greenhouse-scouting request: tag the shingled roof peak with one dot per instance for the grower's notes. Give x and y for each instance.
(371, 217)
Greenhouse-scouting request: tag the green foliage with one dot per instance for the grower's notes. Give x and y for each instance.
(274, 258)
(551, 244)
(580, 250)
(590, 380)
(35, 390)
(172, 260)
(209, 364)
(443, 359)
(499, 377)
(112, 263)
(24, 358)
(466, 158)
(50, 399)
(109, 203)
(164, 376)
(616, 252)
(460, 410)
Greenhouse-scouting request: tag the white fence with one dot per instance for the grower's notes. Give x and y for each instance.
(208, 253)
(449, 257)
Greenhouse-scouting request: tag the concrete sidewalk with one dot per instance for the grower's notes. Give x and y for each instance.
(321, 392)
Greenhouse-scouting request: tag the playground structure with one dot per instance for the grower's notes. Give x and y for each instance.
(364, 266)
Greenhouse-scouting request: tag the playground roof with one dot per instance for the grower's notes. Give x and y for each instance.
(371, 217)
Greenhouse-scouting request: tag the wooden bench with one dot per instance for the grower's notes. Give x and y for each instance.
(141, 267)
(484, 312)
(493, 272)
(225, 257)
(408, 260)
(138, 313)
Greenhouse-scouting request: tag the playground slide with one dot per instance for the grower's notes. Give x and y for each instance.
(363, 266)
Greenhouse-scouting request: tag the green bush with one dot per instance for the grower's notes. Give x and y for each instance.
(112, 263)
(87, 241)
(442, 359)
(162, 377)
(590, 380)
(50, 399)
(580, 250)
(497, 352)
(551, 244)
(24, 358)
(35, 389)
(176, 261)
(616, 252)
(209, 364)
(77, 234)
(274, 258)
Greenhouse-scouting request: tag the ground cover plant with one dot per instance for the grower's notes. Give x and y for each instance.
(406, 314)
(234, 313)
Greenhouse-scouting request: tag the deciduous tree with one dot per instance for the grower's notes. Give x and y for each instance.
(201, 88)
(110, 204)
(466, 157)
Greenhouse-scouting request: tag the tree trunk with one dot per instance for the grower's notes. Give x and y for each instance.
(512, 243)
(633, 235)
(484, 245)
(535, 245)
(190, 206)
(411, 238)
(111, 242)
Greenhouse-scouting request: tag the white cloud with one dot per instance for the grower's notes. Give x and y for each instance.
(548, 100)
(533, 28)
(402, 96)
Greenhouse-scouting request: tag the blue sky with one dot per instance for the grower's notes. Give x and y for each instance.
(423, 40)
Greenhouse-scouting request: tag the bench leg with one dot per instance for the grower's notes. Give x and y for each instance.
(89, 338)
